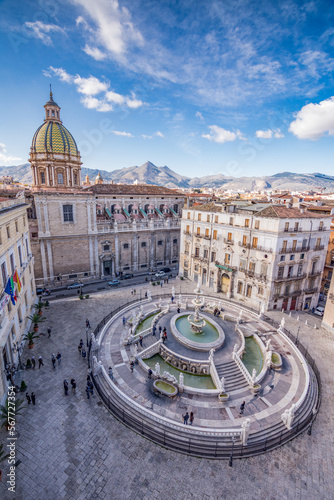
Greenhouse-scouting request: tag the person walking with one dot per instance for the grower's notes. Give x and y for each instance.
(185, 418)
(124, 320)
(49, 332)
(73, 384)
(191, 419)
(33, 398)
(53, 361)
(110, 373)
(178, 310)
(91, 387)
(65, 387)
(161, 284)
(59, 358)
(33, 362)
(28, 398)
(87, 392)
(81, 343)
(79, 349)
(141, 341)
(160, 330)
(132, 366)
(87, 323)
(40, 362)
(242, 408)
(154, 329)
(83, 354)
(150, 373)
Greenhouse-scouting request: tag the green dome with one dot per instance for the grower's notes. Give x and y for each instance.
(53, 137)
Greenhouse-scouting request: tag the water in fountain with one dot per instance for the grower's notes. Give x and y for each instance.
(197, 322)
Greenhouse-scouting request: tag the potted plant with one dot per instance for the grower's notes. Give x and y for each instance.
(86, 296)
(81, 296)
(30, 336)
(28, 364)
(2, 458)
(39, 306)
(23, 386)
(6, 413)
(36, 319)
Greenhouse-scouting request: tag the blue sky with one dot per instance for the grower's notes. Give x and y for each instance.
(234, 87)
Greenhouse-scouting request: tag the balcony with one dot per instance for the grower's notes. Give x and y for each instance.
(311, 290)
(229, 242)
(318, 247)
(201, 259)
(294, 250)
(187, 233)
(282, 295)
(289, 278)
(293, 230)
(257, 247)
(314, 274)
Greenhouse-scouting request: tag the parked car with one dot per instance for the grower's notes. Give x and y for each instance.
(166, 270)
(75, 285)
(114, 283)
(319, 311)
(160, 274)
(127, 276)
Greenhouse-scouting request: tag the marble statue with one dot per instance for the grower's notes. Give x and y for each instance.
(253, 374)
(288, 416)
(212, 351)
(149, 294)
(94, 342)
(245, 430)
(173, 291)
(181, 381)
(222, 384)
(268, 345)
(157, 369)
(282, 323)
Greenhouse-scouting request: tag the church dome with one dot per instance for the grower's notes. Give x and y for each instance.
(53, 137)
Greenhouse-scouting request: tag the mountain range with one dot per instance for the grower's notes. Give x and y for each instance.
(164, 176)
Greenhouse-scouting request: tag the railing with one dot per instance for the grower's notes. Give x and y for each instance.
(289, 278)
(145, 225)
(318, 247)
(311, 290)
(229, 242)
(314, 274)
(294, 249)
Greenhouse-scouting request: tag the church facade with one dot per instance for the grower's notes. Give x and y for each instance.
(97, 229)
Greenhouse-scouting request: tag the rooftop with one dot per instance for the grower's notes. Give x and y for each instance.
(130, 189)
(282, 212)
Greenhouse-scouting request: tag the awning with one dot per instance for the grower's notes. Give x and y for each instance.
(225, 268)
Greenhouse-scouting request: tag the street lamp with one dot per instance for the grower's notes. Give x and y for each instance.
(17, 348)
(230, 460)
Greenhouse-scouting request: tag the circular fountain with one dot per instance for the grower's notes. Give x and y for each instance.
(197, 322)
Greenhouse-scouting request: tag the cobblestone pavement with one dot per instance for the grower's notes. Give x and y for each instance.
(71, 448)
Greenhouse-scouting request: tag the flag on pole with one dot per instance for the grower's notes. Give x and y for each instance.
(13, 288)
(17, 280)
(10, 290)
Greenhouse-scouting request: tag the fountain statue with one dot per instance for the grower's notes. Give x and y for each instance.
(222, 384)
(197, 322)
(173, 291)
(181, 382)
(157, 369)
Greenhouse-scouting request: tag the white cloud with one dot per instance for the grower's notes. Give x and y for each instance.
(268, 134)
(314, 120)
(159, 134)
(5, 159)
(92, 86)
(199, 115)
(221, 135)
(39, 30)
(156, 134)
(94, 52)
(123, 134)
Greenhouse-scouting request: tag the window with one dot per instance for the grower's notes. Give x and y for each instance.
(314, 267)
(208, 218)
(244, 241)
(229, 236)
(304, 244)
(188, 215)
(287, 289)
(286, 227)
(20, 255)
(246, 222)
(60, 178)
(160, 243)
(106, 248)
(205, 254)
(290, 271)
(277, 290)
(8, 231)
(292, 257)
(240, 286)
(296, 226)
(260, 290)
(125, 246)
(24, 221)
(196, 252)
(282, 258)
(199, 217)
(34, 235)
(12, 263)
(198, 231)
(68, 213)
(207, 233)
(187, 229)
(143, 244)
(264, 269)
(254, 243)
(252, 266)
(317, 246)
(186, 263)
(4, 274)
(285, 244)
(175, 241)
(19, 314)
(16, 226)
(231, 221)
(215, 234)
(294, 245)
(257, 224)
(196, 268)
(213, 256)
(243, 264)
(249, 291)
(302, 255)
(300, 270)
(227, 258)
(75, 179)
(280, 272)
(216, 219)
(321, 226)
(143, 265)
(43, 178)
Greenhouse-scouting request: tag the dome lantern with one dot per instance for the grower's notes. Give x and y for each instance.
(52, 110)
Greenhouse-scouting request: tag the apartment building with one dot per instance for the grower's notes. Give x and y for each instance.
(264, 255)
(16, 261)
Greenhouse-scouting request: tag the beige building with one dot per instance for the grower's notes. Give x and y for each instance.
(328, 320)
(15, 255)
(264, 255)
(101, 229)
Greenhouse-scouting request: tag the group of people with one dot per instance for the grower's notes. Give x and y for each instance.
(31, 398)
(216, 312)
(54, 358)
(187, 417)
(89, 387)
(73, 384)
(81, 349)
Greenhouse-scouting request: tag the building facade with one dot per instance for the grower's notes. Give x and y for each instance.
(100, 229)
(328, 319)
(15, 255)
(266, 256)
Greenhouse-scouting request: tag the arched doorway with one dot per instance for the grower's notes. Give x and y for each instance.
(225, 283)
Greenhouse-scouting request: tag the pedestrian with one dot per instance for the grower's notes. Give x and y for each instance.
(178, 310)
(87, 392)
(150, 373)
(242, 407)
(161, 284)
(185, 418)
(59, 357)
(132, 366)
(40, 362)
(33, 398)
(110, 373)
(28, 398)
(91, 387)
(145, 295)
(81, 343)
(73, 384)
(79, 348)
(83, 354)
(124, 320)
(191, 420)
(154, 329)
(65, 387)
(33, 362)
(160, 330)
(49, 332)
(141, 341)
(131, 291)
(172, 299)
(88, 378)
(53, 360)
(87, 323)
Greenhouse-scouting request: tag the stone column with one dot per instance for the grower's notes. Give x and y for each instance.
(67, 176)
(46, 218)
(47, 175)
(152, 242)
(50, 259)
(96, 253)
(44, 267)
(89, 221)
(135, 253)
(116, 254)
(39, 217)
(91, 255)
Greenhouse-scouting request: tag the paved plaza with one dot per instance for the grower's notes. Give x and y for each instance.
(71, 447)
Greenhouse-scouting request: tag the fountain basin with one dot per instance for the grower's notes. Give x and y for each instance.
(252, 357)
(276, 361)
(212, 336)
(165, 388)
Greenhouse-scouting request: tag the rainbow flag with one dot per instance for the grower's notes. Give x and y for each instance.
(17, 281)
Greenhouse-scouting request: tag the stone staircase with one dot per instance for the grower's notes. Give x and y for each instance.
(233, 376)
